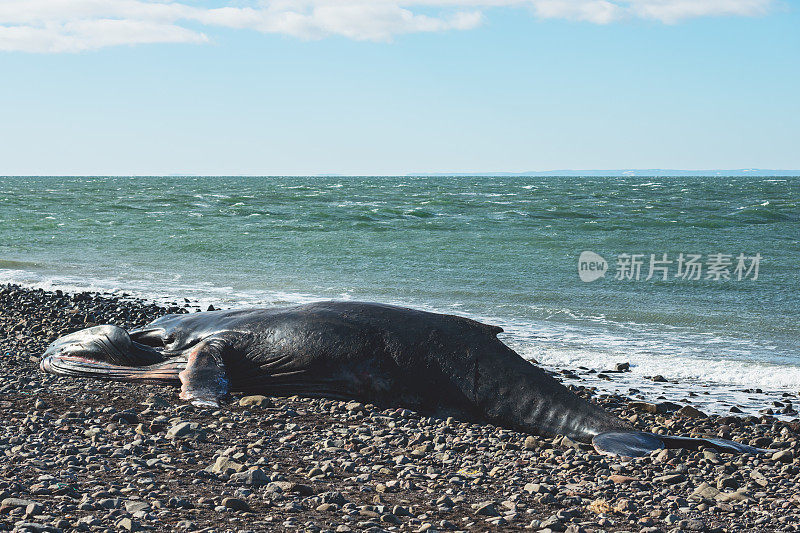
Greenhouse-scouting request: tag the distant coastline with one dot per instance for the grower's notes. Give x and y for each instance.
(644, 172)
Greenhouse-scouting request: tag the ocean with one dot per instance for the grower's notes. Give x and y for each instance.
(504, 250)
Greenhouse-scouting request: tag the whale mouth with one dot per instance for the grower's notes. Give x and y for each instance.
(108, 344)
(108, 352)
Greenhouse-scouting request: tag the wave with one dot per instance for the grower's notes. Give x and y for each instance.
(17, 265)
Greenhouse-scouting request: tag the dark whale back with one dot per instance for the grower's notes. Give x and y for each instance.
(387, 355)
(384, 354)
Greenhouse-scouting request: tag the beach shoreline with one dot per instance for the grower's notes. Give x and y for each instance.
(93, 455)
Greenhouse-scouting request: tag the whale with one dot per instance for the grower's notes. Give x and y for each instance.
(441, 364)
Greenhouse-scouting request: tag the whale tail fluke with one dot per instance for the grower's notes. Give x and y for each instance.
(640, 443)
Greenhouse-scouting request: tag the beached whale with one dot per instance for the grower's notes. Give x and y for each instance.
(441, 364)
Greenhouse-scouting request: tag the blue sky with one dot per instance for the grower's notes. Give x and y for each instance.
(317, 86)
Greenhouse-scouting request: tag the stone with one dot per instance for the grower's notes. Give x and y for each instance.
(226, 465)
(134, 506)
(759, 478)
(184, 430)
(600, 506)
(704, 492)
(389, 518)
(783, 456)
(302, 490)
(669, 479)
(531, 443)
(620, 479)
(738, 496)
(663, 456)
(532, 488)
(622, 367)
(12, 503)
(354, 407)
(256, 400)
(486, 509)
(668, 407)
(337, 498)
(624, 506)
(235, 504)
(710, 456)
(553, 523)
(691, 412)
(34, 527)
(255, 477)
(128, 524)
(445, 501)
(646, 407)
(155, 401)
(692, 524)
(33, 509)
(727, 483)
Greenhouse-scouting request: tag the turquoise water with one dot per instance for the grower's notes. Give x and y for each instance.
(501, 249)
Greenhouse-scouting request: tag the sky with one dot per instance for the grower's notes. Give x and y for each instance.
(295, 87)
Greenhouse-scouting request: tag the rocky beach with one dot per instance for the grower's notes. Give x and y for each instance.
(82, 454)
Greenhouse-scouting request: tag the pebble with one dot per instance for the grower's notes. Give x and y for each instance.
(235, 504)
(256, 401)
(226, 465)
(184, 429)
(691, 412)
(255, 477)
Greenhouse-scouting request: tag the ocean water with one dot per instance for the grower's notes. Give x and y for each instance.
(501, 249)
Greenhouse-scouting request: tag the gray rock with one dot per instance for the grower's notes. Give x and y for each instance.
(704, 492)
(531, 443)
(185, 430)
(646, 407)
(783, 456)
(692, 524)
(134, 506)
(226, 465)
(486, 509)
(128, 525)
(12, 503)
(235, 504)
(727, 483)
(34, 527)
(255, 477)
(34, 509)
(256, 400)
(738, 496)
(669, 479)
(691, 412)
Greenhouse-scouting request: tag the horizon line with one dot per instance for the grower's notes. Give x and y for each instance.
(640, 172)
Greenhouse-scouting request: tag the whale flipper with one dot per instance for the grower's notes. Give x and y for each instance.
(204, 379)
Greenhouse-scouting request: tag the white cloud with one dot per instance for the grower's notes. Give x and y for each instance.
(76, 25)
(671, 11)
(79, 35)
